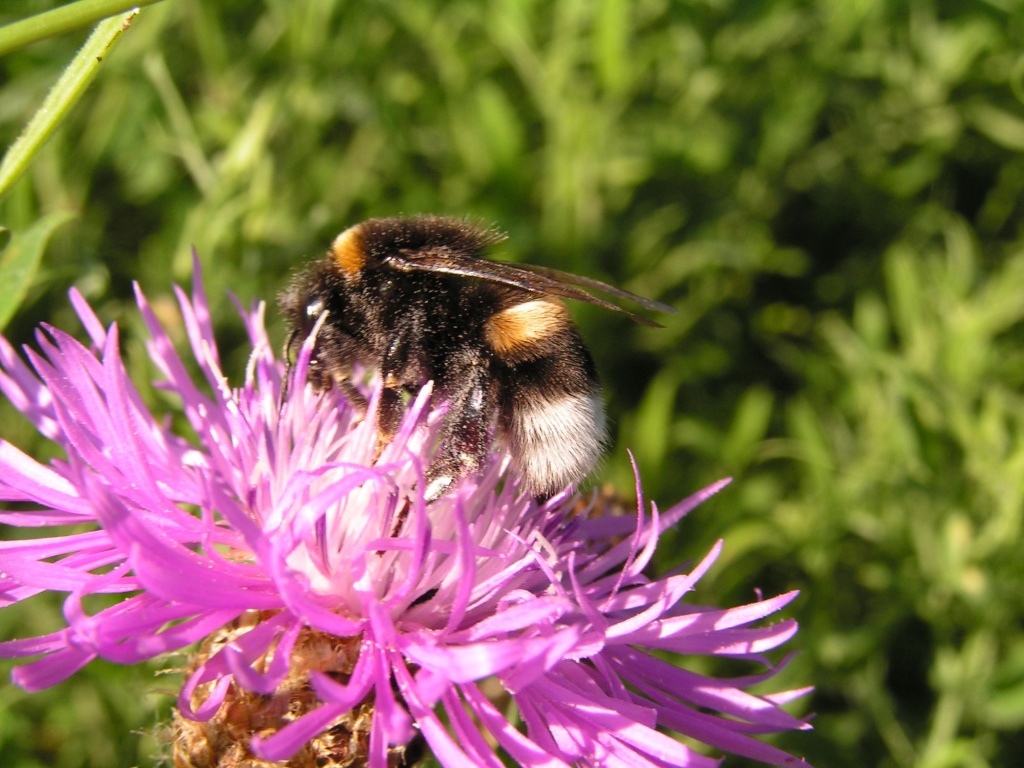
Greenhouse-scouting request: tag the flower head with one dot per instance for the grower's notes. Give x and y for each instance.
(338, 615)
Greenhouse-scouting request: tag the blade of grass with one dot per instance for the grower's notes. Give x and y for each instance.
(18, 34)
(61, 98)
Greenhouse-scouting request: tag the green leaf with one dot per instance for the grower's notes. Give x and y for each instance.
(19, 262)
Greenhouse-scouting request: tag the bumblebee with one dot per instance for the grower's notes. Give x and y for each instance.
(414, 298)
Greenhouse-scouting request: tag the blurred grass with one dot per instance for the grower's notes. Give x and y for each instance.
(829, 191)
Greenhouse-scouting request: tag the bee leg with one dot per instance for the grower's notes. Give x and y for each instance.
(287, 354)
(354, 396)
(389, 417)
(393, 370)
(465, 435)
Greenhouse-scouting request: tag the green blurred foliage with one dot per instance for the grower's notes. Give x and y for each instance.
(829, 191)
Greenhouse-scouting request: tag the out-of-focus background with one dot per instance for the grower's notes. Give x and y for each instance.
(829, 191)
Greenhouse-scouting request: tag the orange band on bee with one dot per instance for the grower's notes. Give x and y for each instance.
(517, 328)
(349, 251)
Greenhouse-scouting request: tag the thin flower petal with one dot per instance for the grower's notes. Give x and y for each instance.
(51, 669)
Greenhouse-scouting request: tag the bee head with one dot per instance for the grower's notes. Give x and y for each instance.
(311, 295)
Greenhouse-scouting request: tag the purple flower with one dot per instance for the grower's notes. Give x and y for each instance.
(338, 616)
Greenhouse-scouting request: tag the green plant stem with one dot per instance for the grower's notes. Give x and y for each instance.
(60, 20)
(61, 98)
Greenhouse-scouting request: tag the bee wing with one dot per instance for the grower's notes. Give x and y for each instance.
(527, 277)
(596, 285)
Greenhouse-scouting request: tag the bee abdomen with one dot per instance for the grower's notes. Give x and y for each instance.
(528, 330)
(552, 412)
(555, 440)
